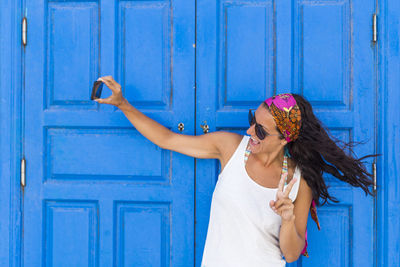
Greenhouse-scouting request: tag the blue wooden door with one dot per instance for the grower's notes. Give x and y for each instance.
(97, 192)
(248, 51)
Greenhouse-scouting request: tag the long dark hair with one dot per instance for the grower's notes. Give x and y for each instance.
(316, 152)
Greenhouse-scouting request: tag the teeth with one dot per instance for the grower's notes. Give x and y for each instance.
(254, 140)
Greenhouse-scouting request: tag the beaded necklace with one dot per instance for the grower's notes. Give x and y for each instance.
(284, 165)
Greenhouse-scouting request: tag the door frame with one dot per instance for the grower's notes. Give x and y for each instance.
(11, 193)
(388, 125)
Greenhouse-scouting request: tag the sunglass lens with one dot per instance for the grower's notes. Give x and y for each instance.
(251, 118)
(260, 132)
(258, 128)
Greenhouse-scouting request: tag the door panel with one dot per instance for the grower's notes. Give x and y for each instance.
(336, 45)
(248, 51)
(98, 193)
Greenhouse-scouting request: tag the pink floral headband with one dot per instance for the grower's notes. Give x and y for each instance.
(286, 114)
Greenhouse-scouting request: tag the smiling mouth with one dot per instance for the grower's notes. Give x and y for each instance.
(253, 142)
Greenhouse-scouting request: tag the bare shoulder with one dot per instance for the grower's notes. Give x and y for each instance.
(304, 195)
(213, 145)
(302, 206)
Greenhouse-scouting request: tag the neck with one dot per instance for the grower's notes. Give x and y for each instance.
(271, 159)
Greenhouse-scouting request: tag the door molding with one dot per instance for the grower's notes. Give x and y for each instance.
(388, 125)
(11, 63)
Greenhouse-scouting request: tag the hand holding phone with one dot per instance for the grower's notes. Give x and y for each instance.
(116, 99)
(96, 90)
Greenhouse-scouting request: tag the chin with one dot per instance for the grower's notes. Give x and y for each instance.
(254, 150)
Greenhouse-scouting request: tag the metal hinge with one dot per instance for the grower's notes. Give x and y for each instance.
(374, 171)
(23, 172)
(24, 30)
(374, 28)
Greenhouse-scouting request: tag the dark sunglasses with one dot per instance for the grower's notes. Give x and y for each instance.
(260, 132)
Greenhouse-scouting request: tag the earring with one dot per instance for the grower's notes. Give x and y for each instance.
(287, 154)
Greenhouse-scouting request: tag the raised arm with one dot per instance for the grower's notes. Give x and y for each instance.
(202, 146)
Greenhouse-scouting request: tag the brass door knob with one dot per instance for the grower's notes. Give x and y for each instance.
(181, 126)
(205, 127)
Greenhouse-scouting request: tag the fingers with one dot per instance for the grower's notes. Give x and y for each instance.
(284, 208)
(110, 82)
(282, 182)
(289, 187)
(281, 202)
(272, 203)
(107, 82)
(103, 100)
(109, 79)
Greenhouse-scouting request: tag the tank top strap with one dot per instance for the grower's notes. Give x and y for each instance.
(295, 188)
(238, 155)
(240, 150)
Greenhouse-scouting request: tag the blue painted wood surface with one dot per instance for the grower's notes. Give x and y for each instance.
(98, 193)
(388, 204)
(323, 51)
(70, 193)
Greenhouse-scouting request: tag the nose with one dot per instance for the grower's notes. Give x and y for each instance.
(250, 131)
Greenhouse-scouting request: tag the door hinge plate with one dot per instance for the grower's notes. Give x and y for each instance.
(24, 31)
(374, 28)
(23, 172)
(374, 172)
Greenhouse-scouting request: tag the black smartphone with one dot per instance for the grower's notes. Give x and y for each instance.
(96, 90)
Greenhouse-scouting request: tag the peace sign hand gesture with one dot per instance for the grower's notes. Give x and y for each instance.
(283, 205)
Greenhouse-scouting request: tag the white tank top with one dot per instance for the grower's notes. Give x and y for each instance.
(243, 230)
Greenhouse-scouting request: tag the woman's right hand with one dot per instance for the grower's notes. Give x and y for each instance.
(116, 99)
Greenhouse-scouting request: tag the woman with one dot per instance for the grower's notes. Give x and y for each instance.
(269, 179)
